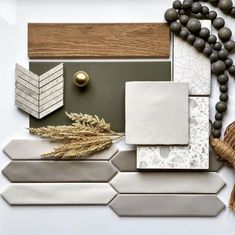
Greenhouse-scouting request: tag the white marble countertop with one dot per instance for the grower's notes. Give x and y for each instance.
(71, 220)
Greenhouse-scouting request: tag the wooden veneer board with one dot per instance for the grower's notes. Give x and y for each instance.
(119, 40)
(105, 93)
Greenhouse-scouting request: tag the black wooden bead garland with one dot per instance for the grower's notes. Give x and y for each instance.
(184, 22)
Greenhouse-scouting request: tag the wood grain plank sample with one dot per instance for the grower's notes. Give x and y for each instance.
(53, 40)
(104, 95)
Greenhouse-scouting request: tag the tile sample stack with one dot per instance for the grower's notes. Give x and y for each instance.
(39, 95)
(96, 181)
(192, 67)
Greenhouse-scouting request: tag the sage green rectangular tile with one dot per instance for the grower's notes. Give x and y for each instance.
(105, 93)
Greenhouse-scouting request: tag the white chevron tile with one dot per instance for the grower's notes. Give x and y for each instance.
(39, 95)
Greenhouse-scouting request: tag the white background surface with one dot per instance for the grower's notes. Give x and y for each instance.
(74, 220)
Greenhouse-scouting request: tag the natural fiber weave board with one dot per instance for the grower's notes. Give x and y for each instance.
(105, 93)
(98, 40)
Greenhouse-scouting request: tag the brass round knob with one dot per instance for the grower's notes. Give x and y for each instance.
(81, 78)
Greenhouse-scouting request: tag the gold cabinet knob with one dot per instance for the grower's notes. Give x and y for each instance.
(81, 78)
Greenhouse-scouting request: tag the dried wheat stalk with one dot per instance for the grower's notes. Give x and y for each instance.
(86, 135)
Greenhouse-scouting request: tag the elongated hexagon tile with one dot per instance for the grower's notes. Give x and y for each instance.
(166, 205)
(167, 182)
(125, 161)
(59, 194)
(33, 149)
(59, 171)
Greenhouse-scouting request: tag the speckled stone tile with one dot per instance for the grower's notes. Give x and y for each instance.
(167, 205)
(193, 156)
(156, 113)
(167, 182)
(192, 66)
(59, 194)
(59, 171)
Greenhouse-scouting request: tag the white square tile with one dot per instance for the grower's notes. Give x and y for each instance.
(193, 156)
(192, 66)
(156, 113)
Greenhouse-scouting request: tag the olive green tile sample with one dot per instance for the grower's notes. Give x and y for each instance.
(105, 93)
(167, 205)
(59, 194)
(23, 149)
(59, 171)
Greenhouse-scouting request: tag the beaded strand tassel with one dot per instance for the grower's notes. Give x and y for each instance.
(183, 19)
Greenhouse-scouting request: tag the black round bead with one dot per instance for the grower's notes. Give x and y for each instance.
(216, 133)
(228, 62)
(191, 39)
(204, 33)
(218, 22)
(231, 70)
(222, 79)
(196, 8)
(219, 116)
(217, 124)
(225, 5)
(212, 15)
(217, 46)
(212, 39)
(171, 15)
(175, 27)
(221, 106)
(183, 34)
(223, 54)
(187, 4)
(225, 34)
(207, 51)
(176, 4)
(194, 25)
(184, 19)
(232, 12)
(205, 10)
(182, 12)
(223, 97)
(218, 67)
(213, 57)
(199, 44)
(213, 1)
(223, 88)
(229, 45)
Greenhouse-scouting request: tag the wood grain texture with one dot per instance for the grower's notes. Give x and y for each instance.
(53, 40)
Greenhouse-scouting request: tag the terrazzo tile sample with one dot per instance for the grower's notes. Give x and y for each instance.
(167, 205)
(59, 194)
(59, 171)
(192, 66)
(167, 182)
(156, 113)
(18, 149)
(193, 156)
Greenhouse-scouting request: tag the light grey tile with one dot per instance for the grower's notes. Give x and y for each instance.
(51, 84)
(59, 171)
(192, 66)
(51, 78)
(167, 205)
(18, 149)
(51, 72)
(156, 113)
(26, 72)
(27, 91)
(51, 102)
(59, 194)
(27, 103)
(167, 182)
(193, 156)
(51, 91)
(51, 109)
(26, 109)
